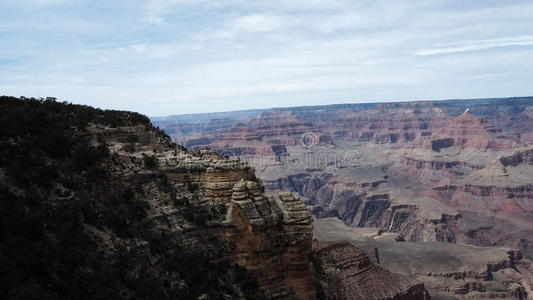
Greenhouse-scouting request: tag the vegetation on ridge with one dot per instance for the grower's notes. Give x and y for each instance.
(55, 187)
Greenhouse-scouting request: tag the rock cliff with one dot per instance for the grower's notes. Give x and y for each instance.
(448, 271)
(346, 272)
(269, 235)
(100, 204)
(153, 220)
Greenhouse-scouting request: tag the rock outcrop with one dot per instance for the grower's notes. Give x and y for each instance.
(447, 270)
(153, 217)
(298, 236)
(520, 157)
(270, 236)
(346, 272)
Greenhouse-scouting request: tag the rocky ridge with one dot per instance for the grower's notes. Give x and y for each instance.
(270, 238)
(448, 271)
(346, 272)
(128, 214)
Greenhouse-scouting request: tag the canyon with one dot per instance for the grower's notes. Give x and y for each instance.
(116, 210)
(458, 172)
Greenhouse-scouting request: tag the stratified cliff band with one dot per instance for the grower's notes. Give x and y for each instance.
(101, 205)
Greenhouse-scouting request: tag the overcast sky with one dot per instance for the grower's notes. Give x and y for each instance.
(162, 57)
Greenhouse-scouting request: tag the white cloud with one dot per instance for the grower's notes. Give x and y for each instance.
(257, 23)
(47, 2)
(238, 53)
(156, 9)
(467, 46)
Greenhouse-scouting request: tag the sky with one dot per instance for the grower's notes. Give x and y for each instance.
(162, 57)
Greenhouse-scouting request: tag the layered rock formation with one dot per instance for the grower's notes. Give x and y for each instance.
(418, 168)
(382, 122)
(346, 272)
(151, 217)
(270, 236)
(117, 211)
(448, 271)
(468, 130)
(452, 171)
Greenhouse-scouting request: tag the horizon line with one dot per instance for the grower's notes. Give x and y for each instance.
(338, 104)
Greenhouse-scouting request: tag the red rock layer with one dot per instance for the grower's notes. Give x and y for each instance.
(468, 130)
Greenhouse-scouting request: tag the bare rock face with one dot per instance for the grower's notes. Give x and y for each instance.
(268, 235)
(520, 157)
(271, 236)
(298, 235)
(253, 240)
(448, 271)
(468, 130)
(346, 272)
